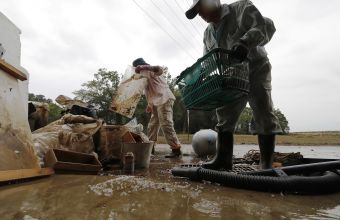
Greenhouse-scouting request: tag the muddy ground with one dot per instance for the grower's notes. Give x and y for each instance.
(155, 194)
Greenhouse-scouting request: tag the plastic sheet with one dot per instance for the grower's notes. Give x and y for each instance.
(16, 147)
(135, 127)
(38, 118)
(68, 102)
(129, 93)
(110, 141)
(71, 132)
(16, 150)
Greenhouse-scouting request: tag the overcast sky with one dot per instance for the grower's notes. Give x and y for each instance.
(64, 42)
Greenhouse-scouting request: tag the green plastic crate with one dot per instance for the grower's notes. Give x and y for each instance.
(213, 81)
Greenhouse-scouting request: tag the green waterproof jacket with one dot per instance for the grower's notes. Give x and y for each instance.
(241, 22)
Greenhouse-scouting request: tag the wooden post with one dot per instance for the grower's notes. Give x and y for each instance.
(10, 175)
(188, 116)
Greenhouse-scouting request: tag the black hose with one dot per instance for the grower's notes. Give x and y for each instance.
(299, 169)
(327, 183)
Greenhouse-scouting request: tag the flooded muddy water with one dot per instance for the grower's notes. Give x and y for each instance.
(155, 194)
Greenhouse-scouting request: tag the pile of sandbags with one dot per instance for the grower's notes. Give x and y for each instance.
(71, 132)
(112, 138)
(37, 115)
(84, 134)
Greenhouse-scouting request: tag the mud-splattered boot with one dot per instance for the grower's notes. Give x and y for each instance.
(267, 146)
(224, 152)
(175, 153)
(153, 148)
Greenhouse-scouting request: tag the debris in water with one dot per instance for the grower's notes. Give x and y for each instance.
(27, 217)
(129, 163)
(126, 185)
(112, 215)
(211, 208)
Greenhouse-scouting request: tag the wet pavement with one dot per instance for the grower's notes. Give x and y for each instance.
(155, 194)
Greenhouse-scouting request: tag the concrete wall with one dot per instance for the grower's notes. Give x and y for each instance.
(10, 40)
(16, 147)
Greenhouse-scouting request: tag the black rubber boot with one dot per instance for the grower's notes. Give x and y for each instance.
(153, 148)
(175, 153)
(267, 145)
(224, 152)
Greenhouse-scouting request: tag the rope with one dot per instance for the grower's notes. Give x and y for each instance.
(254, 155)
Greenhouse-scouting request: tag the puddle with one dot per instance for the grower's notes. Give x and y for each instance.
(154, 194)
(213, 209)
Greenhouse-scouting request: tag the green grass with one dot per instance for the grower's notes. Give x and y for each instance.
(298, 138)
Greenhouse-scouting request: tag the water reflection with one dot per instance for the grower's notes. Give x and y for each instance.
(154, 194)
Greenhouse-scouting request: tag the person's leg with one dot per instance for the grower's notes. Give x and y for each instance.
(153, 127)
(227, 117)
(267, 146)
(266, 123)
(165, 115)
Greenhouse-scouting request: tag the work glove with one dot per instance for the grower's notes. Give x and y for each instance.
(240, 52)
(148, 108)
(141, 68)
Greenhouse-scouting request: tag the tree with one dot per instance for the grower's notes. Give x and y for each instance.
(38, 98)
(54, 109)
(99, 92)
(54, 112)
(171, 81)
(246, 120)
(141, 115)
(179, 113)
(282, 120)
(243, 125)
(202, 120)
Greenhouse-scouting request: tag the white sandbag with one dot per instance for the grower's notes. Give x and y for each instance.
(129, 93)
(71, 132)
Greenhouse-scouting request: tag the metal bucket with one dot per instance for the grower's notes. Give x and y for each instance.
(141, 151)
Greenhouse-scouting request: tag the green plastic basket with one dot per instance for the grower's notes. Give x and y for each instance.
(213, 81)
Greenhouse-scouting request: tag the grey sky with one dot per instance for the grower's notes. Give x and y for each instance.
(65, 42)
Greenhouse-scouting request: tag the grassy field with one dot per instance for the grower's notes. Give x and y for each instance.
(299, 138)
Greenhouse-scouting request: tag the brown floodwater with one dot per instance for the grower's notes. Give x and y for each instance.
(155, 194)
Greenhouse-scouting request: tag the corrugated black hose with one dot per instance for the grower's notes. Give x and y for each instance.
(327, 183)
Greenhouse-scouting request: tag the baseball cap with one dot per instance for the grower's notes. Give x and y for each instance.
(192, 12)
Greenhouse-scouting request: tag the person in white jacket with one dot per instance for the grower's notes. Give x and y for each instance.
(241, 28)
(160, 104)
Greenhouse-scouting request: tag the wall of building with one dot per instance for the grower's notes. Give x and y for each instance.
(16, 147)
(10, 40)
